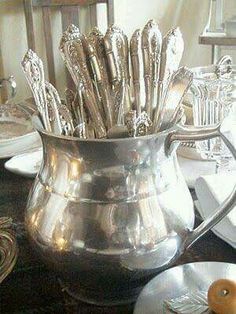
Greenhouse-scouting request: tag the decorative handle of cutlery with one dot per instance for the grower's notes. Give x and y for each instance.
(94, 113)
(33, 68)
(135, 48)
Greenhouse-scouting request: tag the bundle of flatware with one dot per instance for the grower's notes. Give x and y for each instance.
(121, 88)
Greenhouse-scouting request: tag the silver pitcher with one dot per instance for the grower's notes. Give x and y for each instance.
(109, 214)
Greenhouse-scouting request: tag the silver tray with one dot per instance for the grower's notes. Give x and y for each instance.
(179, 281)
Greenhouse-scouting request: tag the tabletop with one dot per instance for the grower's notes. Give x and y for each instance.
(32, 288)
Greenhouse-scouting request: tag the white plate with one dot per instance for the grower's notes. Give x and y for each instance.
(18, 145)
(189, 150)
(16, 131)
(27, 164)
(193, 169)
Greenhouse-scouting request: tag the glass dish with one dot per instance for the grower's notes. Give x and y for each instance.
(214, 98)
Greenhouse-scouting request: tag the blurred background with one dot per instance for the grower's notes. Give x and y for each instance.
(190, 15)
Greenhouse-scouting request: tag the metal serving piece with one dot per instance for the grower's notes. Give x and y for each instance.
(54, 116)
(184, 288)
(117, 50)
(32, 66)
(175, 92)
(193, 302)
(70, 97)
(224, 67)
(151, 47)
(119, 130)
(171, 54)
(97, 39)
(100, 81)
(61, 113)
(138, 125)
(105, 213)
(136, 63)
(71, 47)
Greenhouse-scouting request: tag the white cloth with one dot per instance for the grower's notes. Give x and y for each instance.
(211, 192)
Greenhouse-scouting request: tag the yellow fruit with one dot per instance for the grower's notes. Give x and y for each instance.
(222, 296)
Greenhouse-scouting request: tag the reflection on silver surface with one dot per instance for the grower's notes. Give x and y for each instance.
(178, 281)
(110, 213)
(189, 303)
(8, 248)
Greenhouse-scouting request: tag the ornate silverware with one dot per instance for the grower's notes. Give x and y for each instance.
(53, 112)
(101, 82)
(119, 130)
(80, 131)
(171, 54)
(116, 45)
(70, 96)
(61, 115)
(194, 302)
(136, 63)
(224, 67)
(71, 47)
(138, 125)
(151, 46)
(97, 40)
(175, 92)
(33, 68)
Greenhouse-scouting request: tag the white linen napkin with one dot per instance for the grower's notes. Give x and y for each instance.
(211, 191)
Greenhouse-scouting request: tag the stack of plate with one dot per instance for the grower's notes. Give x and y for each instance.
(16, 131)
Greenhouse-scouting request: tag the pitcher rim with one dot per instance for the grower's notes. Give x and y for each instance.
(39, 128)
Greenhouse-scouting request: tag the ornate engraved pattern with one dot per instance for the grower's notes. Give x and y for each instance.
(151, 47)
(137, 125)
(189, 303)
(34, 72)
(75, 60)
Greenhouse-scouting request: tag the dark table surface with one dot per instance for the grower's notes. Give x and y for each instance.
(32, 288)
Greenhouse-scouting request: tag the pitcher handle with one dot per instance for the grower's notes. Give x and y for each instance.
(198, 134)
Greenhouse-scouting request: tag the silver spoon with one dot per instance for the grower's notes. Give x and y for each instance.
(171, 54)
(53, 110)
(176, 90)
(138, 125)
(151, 46)
(135, 49)
(100, 82)
(71, 47)
(119, 130)
(32, 66)
(63, 117)
(117, 50)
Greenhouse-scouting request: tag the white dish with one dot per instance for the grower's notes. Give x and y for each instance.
(27, 164)
(189, 150)
(193, 169)
(18, 145)
(16, 131)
